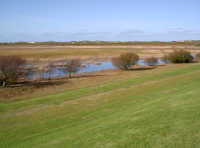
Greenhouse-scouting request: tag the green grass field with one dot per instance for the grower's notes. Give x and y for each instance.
(152, 110)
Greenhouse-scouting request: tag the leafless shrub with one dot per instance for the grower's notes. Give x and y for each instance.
(49, 69)
(197, 57)
(151, 61)
(11, 69)
(125, 61)
(72, 66)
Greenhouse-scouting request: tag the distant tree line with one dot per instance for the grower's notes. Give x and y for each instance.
(195, 42)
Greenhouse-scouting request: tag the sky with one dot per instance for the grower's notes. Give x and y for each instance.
(108, 20)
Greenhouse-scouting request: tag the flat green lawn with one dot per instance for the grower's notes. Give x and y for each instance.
(158, 110)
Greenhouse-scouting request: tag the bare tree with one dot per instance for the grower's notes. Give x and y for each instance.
(11, 69)
(39, 73)
(50, 69)
(38, 69)
(72, 66)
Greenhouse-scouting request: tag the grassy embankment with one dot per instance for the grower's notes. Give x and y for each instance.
(160, 108)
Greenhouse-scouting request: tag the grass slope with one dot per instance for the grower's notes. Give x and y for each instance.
(158, 110)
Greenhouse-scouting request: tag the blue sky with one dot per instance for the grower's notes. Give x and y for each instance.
(119, 20)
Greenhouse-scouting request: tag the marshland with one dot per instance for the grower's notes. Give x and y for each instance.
(99, 74)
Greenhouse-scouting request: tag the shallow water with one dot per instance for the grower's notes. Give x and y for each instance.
(105, 65)
(142, 63)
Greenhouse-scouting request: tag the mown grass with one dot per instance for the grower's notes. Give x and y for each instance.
(152, 110)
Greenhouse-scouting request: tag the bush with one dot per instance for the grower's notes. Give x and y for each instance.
(165, 58)
(197, 57)
(72, 66)
(11, 69)
(179, 56)
(125, 61)
(151, 61)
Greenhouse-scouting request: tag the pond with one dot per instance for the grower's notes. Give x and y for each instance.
(104, 65)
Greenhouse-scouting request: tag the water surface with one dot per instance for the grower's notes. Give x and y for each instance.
(104, 65)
